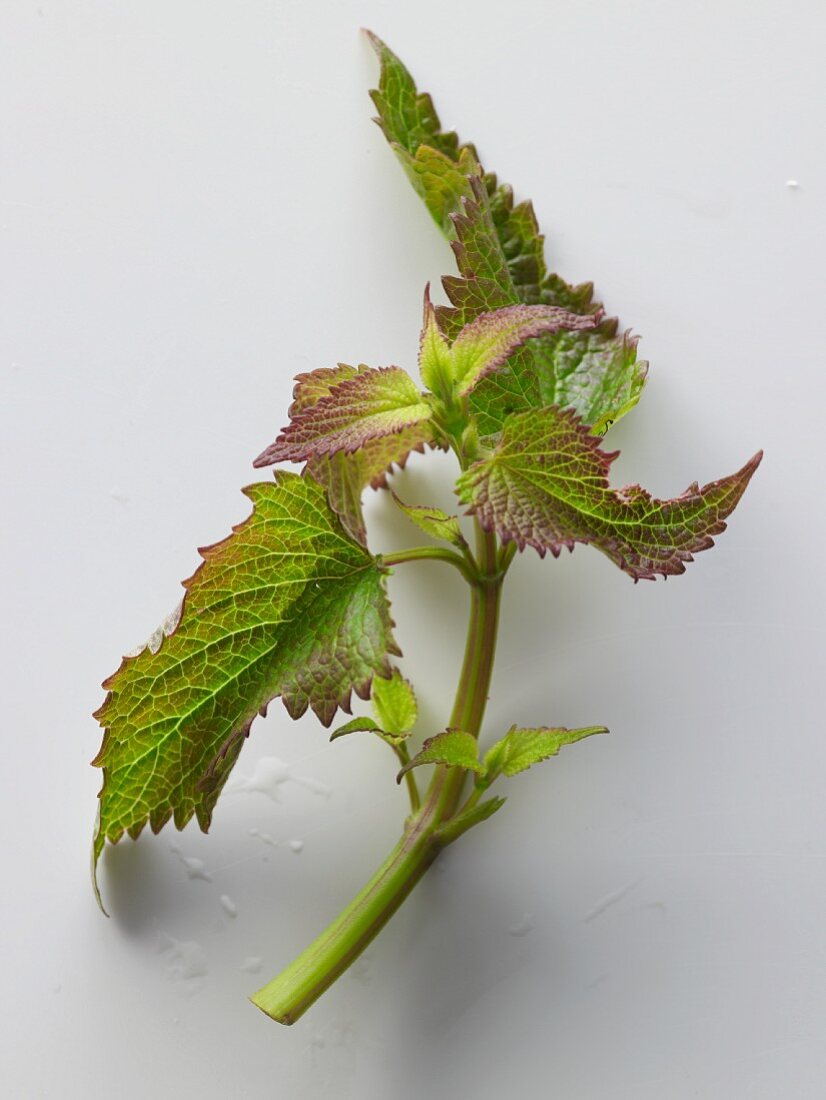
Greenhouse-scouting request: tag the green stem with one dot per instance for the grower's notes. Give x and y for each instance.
(431, 553)
(410, 779)
(289, 995)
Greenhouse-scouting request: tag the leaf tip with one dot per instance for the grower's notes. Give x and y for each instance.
(98, 841)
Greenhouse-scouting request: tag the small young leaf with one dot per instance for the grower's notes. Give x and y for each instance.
(356, 725)
(394, 703)
(366, 406)
(520, 748)
(287, 605)
(486, 343)
(367, 725)
(466, 819)
(434, 522)
(435, 359)
(455, 748)
(546, 485)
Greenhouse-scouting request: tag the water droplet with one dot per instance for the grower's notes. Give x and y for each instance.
(252, 964)
(268, 775)
(296, 846)
(230, 908)
(792, 185)
(195, 868)
(187, 961)
(609, 900)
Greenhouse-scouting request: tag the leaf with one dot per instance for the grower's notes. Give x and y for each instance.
(466, 819)
(357, 725)
(367, 725)
(435, 359)
(440, 182)
(500, 254)
(407, 116)
(486, 343)
(287, 605)
(346, 476)
(366, 406)
(394, 703)
(313, 385)
(485, 283)
(434, 522)
(592, 370)
(520, 748)
(546, 485)
(455, 748)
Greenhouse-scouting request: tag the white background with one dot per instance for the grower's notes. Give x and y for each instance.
(195, 206)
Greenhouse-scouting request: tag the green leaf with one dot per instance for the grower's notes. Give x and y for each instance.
(520, 748)
(356, 725)
(435, 359)
(407, 116)
(346, 476)
(546, 485)
(500, 254)
(466, 819)
(367, 725)
(313, 385)
(485, 283)
(438, 181)
(394, 703)
(366, 406)
(486, 343)
(455, 748)
(287, 605)
(434, 522)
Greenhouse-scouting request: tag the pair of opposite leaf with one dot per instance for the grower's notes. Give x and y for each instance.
(523, 373)
(396, 710)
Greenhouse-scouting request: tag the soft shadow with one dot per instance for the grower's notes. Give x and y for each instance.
(133, 885)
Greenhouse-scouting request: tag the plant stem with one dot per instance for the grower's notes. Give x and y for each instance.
(289, 995)
(410, 779)
(431, 553)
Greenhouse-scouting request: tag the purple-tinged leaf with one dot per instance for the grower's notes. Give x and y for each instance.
(369, 405)
(314, 385)
(500, 254)
(407, 116)
(486, 343)
(346, 476)
(287, 605)
(438, 181)
(546, 485)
